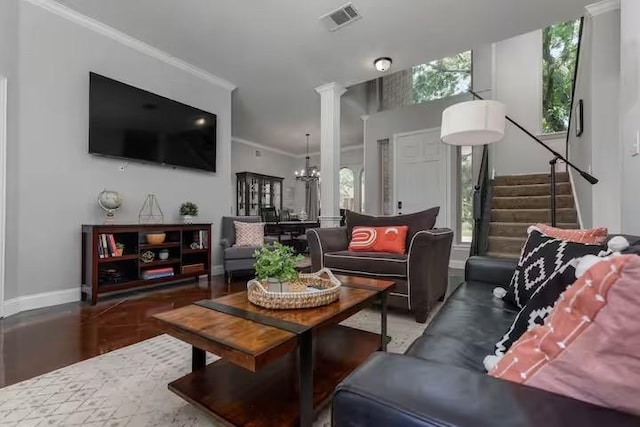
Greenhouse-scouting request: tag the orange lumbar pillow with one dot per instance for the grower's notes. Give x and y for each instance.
(389, 239)
(588, 236)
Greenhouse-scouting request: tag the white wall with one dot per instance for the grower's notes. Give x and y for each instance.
(243, 159)
(384, 125)
(54, 182)
(598, 149)
(630, 113)
(518, 84)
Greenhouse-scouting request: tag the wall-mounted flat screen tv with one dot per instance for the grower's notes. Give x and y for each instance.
(131, 123)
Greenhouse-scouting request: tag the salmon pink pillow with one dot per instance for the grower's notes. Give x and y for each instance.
(390, 239)
(589, 346)
(590, 236)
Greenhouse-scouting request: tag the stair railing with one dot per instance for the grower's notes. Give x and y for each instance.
(556, 156)
(480, 197)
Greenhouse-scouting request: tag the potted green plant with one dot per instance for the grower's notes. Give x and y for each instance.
(276, 264)
(188, 211)
(119, 249)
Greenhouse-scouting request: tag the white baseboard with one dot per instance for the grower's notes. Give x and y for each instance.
(457, 264)
(46, 299)
(217, 270)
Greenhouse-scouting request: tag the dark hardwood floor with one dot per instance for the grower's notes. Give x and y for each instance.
(39, 341)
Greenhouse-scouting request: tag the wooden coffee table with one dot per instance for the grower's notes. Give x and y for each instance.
(260, 380)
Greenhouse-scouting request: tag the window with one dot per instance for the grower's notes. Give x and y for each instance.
(559, 53)
(435, 80)
(465, 192)
(347, 193)
(442, 78)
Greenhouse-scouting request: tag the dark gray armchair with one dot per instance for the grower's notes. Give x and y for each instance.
(237, 258)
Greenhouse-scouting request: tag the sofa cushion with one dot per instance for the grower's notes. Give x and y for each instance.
(592, 235)
(589, 347)
(249, 233)
(367, 263)
(542, 259)
(240, 252)
(537, 309)
(467, 326)
(418, 221)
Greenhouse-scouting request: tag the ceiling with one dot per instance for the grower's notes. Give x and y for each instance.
(277, 52)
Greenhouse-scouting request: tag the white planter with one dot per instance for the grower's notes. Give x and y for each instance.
(275, 285)
(187, 219)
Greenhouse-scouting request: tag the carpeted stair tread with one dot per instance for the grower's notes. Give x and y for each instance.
(506, 245)
(518, 229)
(562, 188)
(533, 215)
(529, 179)
(531, 202)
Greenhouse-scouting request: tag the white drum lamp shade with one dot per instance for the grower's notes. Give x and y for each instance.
(473, 123)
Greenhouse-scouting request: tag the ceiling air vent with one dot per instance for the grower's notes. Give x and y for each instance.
(341, 17)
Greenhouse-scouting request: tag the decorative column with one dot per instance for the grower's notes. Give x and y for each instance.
(363, 187)
(330, 154)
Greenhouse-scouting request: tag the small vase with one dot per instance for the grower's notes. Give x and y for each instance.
(187, 219)
(163, 255)
(119, 251)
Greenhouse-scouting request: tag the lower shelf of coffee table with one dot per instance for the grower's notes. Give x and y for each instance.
(269, 397)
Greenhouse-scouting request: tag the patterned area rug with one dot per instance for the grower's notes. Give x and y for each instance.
(128, 387)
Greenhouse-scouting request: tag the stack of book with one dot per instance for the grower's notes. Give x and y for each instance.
(106, 246)
(157, 273)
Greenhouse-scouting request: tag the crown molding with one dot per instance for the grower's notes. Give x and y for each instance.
(602, 7)
(126, 40)
(263, 147)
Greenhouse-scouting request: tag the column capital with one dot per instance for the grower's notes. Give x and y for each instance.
(334, 87)
(364, 117)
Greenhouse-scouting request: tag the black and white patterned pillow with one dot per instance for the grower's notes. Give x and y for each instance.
(537, 309)
(546, 268)
(542, 258)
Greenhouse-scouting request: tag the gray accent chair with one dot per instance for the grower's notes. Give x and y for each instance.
(237, 258)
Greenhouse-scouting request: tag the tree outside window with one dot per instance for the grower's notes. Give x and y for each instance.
(466, 194)
(347, 193)
(442, 78)
(559, 53)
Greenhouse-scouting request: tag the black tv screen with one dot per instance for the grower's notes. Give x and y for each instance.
(131, 123)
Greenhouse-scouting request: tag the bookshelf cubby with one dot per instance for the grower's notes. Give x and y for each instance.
(104, 272)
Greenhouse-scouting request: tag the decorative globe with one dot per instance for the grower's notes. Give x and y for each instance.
(109, 201)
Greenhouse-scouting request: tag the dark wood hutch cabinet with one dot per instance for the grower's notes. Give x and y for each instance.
(255, 191)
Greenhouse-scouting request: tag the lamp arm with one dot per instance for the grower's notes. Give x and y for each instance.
(590, 178)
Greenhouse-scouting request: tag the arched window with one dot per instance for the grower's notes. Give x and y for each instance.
(347, 193)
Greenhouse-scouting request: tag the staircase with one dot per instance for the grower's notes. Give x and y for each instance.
(521, 200)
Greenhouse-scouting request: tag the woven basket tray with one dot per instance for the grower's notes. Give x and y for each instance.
(328, 291)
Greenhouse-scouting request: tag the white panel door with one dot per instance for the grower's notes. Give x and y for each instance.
(420, 173)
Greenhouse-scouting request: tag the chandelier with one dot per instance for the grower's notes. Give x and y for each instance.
(309, 173)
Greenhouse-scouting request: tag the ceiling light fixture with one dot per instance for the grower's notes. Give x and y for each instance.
(382, 64)
(309, 173)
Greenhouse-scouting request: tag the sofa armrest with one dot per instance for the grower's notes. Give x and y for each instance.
(428, 268)
(323, 240)
(395, 390)
(270, 240)
(225, 243)
(495, 271)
